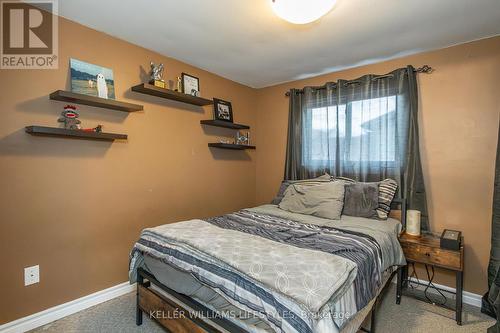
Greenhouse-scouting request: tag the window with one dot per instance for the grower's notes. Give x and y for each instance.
(362, 131)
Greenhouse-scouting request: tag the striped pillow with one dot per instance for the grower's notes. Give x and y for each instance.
(386, 191)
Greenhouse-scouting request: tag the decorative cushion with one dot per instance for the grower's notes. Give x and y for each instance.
(386, 191)
(325, 200)
(361, 200)
(309, 182)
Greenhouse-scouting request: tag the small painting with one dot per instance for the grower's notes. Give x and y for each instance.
(90, 79)
(223, 110)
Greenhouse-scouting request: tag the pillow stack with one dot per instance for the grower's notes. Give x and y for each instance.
(329, 197)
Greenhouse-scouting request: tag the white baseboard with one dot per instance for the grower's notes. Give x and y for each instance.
(60, 311)
(467, 297)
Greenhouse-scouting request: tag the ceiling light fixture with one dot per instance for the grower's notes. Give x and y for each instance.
(301, 11)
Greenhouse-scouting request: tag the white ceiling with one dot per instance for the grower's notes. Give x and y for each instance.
(244, 41)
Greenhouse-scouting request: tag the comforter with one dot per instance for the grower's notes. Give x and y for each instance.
(295, 276)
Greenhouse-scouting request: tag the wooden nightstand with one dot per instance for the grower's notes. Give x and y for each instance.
(426, 250)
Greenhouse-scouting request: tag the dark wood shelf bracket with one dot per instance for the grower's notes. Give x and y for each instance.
(230, 146)
(149, 89)
(225, 124)
(75, 134)
(106, 103)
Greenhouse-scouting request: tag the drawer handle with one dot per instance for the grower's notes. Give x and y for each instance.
(428, 254)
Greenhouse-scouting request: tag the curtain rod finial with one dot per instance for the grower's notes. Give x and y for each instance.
(425, 69)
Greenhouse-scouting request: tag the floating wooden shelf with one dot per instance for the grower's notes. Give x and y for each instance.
(71, 97)
(77, 134)
(221, 123)
(149, 89)
(230, 146)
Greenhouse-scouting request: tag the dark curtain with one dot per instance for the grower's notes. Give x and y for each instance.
(491, 300)
(365, 129)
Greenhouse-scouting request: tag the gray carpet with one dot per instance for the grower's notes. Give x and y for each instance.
(412, 316)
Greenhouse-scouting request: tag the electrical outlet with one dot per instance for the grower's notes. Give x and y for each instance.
(31, 275)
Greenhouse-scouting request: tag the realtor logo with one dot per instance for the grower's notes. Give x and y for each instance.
(29, 34)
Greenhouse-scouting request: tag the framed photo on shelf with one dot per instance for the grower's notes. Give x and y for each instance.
(223, 110)
(190, 84)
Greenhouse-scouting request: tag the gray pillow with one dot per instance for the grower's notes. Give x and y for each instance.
(310, 182)
(387, 189)
(325, 200)
(361, 200)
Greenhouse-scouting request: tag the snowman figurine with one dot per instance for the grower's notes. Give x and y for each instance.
(70, 118)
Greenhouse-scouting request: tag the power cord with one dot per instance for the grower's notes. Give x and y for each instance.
(431, 285)
(413, 275)
(414, 284)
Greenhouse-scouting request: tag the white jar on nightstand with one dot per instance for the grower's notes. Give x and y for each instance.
(413, 222)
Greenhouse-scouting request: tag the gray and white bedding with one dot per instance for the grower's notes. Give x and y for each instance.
(184, 283)
(296, 273)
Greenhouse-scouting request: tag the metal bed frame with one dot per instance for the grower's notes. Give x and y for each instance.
(208, 320)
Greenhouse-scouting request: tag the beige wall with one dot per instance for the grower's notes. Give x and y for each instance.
(459, 116)
(76, 207)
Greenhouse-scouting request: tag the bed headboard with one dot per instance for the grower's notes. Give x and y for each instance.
(398, 211)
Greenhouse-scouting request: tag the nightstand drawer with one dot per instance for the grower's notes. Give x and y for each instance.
(432, 255)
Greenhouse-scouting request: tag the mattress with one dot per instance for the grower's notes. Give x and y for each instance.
(186, 284)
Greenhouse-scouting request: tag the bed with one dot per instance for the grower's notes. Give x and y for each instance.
(264, 269)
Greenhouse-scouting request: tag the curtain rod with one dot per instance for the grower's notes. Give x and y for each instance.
(424, 69)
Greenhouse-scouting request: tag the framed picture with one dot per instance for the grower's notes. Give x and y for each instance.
(190, 84)
(223, 110)
(90, 79)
